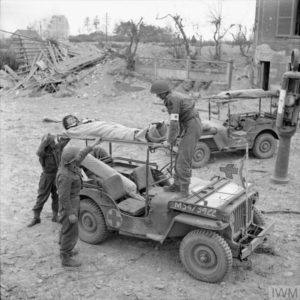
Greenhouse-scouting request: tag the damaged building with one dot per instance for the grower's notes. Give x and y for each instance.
(277, 33)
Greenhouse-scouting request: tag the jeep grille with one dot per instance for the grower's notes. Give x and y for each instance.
(239, 216)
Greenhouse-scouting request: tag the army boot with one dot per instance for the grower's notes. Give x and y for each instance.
(174, 188)
(68, 261)
(185, 190)
(74, 252)
(36, 219)
(54, 217)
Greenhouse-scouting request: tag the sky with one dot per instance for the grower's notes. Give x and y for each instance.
(18, 14)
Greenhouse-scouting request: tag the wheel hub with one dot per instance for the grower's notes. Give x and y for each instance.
(199, 155)
(88, 222)
(205, 257)
(265, 146)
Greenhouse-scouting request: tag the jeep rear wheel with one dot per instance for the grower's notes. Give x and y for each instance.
(201, 155)
(258, 218)
(206, 255)
(92, 226)
(264, 145)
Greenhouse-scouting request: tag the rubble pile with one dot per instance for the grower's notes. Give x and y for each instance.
(54, 66)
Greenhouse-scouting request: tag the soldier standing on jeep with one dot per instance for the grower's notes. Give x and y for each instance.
(184, 121)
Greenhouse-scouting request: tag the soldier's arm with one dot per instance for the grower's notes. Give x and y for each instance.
(44, 143)
(62, 142)
(83, 153)
(173, 110)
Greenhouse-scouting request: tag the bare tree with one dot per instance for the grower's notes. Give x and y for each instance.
(87, 24)
(96, 23)
(178, 22)
(199, 36)
(133, 31)
(240, 39)
(216, 19)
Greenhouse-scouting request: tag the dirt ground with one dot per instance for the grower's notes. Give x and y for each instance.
(122, 267)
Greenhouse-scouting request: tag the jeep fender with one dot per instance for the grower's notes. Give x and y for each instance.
(99, 197)
(215, 142)
(192, 221)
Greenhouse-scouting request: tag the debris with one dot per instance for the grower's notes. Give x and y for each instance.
(159, 286)
(51, 63)
(286, 211)
(288, 274)
(266, 250)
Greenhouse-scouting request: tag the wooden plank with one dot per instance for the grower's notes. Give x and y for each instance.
(11, 72)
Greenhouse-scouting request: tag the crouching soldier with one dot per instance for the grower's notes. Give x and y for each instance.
(69, 184)
(49, 153)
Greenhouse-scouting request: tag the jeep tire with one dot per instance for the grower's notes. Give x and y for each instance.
(201, 155)
(92, 226)
(206, 255)
(264, 145)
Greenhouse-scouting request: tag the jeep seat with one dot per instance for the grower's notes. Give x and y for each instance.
(114, 187)
(139, 177)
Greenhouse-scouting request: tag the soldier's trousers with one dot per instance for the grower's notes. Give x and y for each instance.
(47, 186)
(186, 150)
(68, 235)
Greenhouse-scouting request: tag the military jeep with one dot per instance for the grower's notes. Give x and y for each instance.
(256, 128)
(217, 222)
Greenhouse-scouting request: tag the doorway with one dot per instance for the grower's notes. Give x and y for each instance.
(265, 74)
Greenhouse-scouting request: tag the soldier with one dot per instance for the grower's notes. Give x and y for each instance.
(69, 183)
(87, 128)
(49, 154)
(184, 121)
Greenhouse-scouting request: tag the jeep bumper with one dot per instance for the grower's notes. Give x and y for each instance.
(256, 241)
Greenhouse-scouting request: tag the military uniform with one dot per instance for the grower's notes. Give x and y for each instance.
(49, 156)
(69, 183)
(184, 121)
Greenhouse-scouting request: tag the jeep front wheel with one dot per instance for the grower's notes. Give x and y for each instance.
(201, 155)
(91, 223)
(206, 255)
(264, 145)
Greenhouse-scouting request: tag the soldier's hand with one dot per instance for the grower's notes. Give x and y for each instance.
(72, 219)
(97, 142)
(166, 144)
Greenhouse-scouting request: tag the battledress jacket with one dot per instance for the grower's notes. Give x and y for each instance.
(69, 184)
(181, 109)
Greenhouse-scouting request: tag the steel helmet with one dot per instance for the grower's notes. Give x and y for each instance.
(69, 154)
(157, 133)
(69, 121)
(160, 87)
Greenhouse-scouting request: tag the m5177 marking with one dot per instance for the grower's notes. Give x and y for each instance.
(193, 209)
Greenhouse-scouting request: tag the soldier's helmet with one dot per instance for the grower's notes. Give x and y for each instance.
(70, 121)
(157, 133)
(69, 154)
(160, 87)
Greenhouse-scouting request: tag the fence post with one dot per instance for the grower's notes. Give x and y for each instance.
(188, 67)
(229, 74)
(155, 68)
